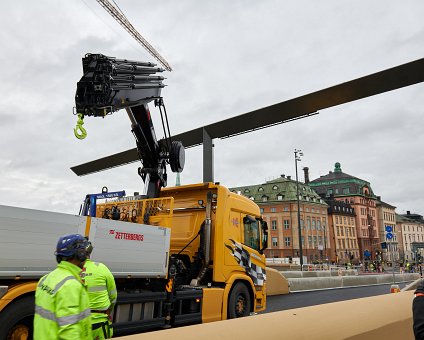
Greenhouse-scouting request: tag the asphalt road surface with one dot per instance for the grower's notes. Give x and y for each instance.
(303, 299)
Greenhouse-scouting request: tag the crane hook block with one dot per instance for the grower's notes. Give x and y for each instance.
(79, 131)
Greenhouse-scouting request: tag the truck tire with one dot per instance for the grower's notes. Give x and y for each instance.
(17, 318)
(239, 301)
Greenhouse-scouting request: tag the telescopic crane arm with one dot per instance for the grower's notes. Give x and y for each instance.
(111, 84)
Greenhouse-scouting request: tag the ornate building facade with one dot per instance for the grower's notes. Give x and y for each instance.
(277, 200)
(358, 193)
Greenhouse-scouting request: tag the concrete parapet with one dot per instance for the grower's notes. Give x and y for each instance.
(276, 284)
(320, 273)
(385, 317)
(412, 285)
(290, 274)
(301, 284)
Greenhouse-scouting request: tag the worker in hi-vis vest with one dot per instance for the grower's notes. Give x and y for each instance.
(102, 295)
(61, 301)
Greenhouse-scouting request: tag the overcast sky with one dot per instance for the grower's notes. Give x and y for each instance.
(229, 57)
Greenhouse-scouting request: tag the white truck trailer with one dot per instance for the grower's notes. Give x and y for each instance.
(137, 254)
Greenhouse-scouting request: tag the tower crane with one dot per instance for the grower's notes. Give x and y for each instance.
(120, 17)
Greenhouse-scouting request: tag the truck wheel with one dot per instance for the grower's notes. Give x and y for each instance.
(16, 319)
(239, 301)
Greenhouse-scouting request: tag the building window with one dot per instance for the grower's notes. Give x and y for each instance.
(308, 223)
(273, 209)
(287, 209)
(310, 240)
(313, 224)
(246, 190)
(318, 224)
(275, 242)
(274, 187)
(286, 224)
(273, 224)
(287, 241)
(264, 198)
(261, 189)
(279, 197)
(346, 191)
(261, 210)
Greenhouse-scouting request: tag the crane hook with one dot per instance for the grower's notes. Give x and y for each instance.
(79, 131)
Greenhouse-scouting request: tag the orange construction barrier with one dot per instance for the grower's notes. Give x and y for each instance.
(394, 289)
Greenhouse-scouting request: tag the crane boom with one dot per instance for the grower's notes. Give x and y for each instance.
(125, 23)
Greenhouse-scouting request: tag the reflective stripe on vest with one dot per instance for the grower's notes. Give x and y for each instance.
(112, 294)
(63, 320)
(97, 288)
(42, 280)
(59, 285)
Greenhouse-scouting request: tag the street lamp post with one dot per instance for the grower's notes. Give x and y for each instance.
(297, 154)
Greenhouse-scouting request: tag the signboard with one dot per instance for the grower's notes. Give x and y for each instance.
(389, 228)
(389, 236)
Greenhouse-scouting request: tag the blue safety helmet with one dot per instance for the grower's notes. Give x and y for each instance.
(72, 245)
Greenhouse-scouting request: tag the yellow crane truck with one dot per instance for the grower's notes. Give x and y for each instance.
(180, 255)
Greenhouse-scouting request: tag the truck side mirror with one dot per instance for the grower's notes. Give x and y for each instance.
(265, 235)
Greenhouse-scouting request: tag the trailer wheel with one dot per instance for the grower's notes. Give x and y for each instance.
(16, 319)
(239, 301)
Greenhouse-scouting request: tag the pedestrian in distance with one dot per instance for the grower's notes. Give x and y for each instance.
(102, 296)
(61, 301)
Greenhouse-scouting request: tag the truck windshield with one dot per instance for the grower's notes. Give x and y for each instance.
(251, 232)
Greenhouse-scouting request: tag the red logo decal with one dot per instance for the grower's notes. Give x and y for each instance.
(119, 235)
